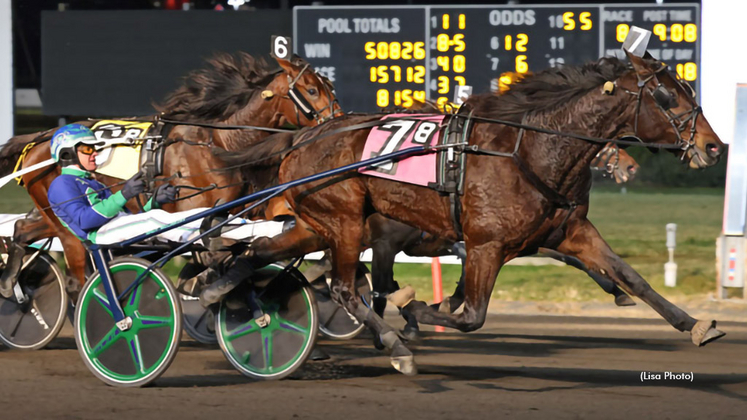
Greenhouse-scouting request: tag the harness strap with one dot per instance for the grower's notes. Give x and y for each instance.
(572, 135)
(19, 163)
(455, 205)
(547, 191)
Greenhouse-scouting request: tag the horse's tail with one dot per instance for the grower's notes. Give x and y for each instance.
(14, 148)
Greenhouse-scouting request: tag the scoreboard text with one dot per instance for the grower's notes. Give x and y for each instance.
(393, 56)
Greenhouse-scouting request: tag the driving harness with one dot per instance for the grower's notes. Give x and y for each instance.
(451, 162)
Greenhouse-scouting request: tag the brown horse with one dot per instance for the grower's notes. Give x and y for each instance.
(512, 206)
(232, 90)
(387, 237)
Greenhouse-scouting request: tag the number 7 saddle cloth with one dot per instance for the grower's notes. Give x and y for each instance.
(442, 171)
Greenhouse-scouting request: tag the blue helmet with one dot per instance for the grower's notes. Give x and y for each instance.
(66, 138)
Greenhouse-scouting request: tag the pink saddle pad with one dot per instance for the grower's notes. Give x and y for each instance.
(403, 131)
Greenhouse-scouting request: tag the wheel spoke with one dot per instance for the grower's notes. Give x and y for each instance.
(110, 338)
(137, 357)
(331, 317)
(18, 320)
(242, 330)
(134, 300)
(267, 348)
(290, 326)
(103, 301)
(246, 357)
(147, 321)
(201, 319)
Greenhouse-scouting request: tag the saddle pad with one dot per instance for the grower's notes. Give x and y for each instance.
(401, 132)
(116, 159)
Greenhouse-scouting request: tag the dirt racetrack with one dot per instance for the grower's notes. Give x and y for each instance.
(534, 367)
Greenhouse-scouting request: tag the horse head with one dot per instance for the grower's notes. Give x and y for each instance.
(616, 162)
(667, 112)
(305, 97)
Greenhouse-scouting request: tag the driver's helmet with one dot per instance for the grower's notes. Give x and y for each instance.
(65, 140)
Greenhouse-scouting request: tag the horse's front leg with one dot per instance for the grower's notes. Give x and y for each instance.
(584, 242)
(621, 298)
(484, 261)
(453, 302)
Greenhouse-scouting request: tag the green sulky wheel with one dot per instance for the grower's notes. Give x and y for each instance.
(142, 353)
(32, 324)
(282, 345)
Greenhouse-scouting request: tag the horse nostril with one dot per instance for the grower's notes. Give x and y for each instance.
(631, 169)
(713, 149)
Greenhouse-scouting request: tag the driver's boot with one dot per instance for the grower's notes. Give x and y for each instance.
(12, 269)
(241, 270)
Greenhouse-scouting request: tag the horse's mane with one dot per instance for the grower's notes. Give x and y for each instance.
(218, 91)
(548, 90)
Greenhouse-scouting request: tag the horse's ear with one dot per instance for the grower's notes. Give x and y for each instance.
(287, 66)
(635, 47)
(639, 65)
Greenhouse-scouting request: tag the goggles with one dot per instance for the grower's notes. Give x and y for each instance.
(86, 149)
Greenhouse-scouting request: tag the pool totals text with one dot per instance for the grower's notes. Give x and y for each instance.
(385, 57)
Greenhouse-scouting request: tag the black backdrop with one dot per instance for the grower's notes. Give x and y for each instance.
(107, 63)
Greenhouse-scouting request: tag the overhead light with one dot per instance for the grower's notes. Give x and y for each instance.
(237, 3)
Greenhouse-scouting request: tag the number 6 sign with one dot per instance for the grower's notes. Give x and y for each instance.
(281, 47)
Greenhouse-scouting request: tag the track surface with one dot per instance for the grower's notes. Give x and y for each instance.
(515, 367)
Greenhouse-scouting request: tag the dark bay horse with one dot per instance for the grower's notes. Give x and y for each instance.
(512, 206)
(387, 237)
(232, 90)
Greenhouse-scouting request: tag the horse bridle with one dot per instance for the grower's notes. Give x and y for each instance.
(610, 157)
(301, 103)
(665, 101)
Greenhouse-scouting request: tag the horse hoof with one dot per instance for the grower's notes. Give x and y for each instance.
(411, 335)
(704, 332)
(405, 364)
(318, 354)
(402, 297)
(624, 300)
(445, 306)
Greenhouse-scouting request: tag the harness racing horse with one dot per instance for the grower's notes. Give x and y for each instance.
(513, 202)
(388, 237)
(232, 90)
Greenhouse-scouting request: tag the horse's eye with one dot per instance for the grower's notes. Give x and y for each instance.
(312, 91)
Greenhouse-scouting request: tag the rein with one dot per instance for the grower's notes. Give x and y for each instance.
(218, 126)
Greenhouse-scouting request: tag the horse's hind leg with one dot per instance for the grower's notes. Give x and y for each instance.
(26, 231)
(484, 261)
(344, 232)
(584, 242)
(621, 298)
